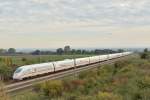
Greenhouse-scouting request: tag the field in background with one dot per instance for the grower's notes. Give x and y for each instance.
(32, 59)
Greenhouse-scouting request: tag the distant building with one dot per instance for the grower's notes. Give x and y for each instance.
(67, 49)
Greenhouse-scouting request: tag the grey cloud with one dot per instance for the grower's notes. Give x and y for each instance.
(104, 12)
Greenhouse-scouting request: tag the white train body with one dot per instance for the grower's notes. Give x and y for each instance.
(82, 61)
(104, 57)
(66, 64)
(43, 68)
(94, 59)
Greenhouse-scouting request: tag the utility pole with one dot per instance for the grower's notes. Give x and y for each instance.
(74, 65)
(40, 56)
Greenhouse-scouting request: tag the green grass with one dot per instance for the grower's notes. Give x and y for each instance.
(31, 59)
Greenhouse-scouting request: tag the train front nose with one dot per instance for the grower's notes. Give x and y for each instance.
(16, 76)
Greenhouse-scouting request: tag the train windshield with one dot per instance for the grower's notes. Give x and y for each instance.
(18, 70)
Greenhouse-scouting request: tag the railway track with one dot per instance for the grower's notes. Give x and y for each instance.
(18, 86)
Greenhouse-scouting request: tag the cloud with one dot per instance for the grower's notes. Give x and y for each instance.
(100, 18)
(70, 11)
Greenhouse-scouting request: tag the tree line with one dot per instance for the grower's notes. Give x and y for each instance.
(60, 51)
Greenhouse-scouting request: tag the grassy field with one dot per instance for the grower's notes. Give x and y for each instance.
(125, 80)
(31, 59)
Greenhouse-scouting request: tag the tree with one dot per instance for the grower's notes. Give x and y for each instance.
(59, 51)
(78, 51)
(84, 52)
(97, 51)
(11, 50)
(36, 52)
(145, 54)
(8, 61)
(3, 51)
(67, 49)
(145, 50)
(120, 50)
(73, 51)
(5, 72)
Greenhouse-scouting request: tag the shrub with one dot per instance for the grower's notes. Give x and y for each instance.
(71, 96)
(5, 72)
(144, 55)
(28, 96)
(24, 59)
(53, 88)
(108, 96)
(144, 82)
(83, 75)
(37, 87)
(3, 95)
(1, 59)
(67, 86)
(145, 94)
(77, 82)
(88, 74)
(85, 97)
(105, 72)
(90, 83)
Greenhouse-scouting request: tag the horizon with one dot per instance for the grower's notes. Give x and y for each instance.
(90, 49)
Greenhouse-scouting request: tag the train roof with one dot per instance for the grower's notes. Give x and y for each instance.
(35, 65)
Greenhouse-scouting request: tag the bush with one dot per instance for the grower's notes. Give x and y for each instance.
(144, 55)
(24, 59)
(144, 83)
(53, 88)
(3, 95)
(83, 97)
(28, 96)
(106, 72)
(5, 72)
(88, 74)
(1, 59)
(145, 94)
(37, 87)
(77, 83)
(108, 96)
(73, 85)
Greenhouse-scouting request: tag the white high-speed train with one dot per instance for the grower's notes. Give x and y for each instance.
(43, 68)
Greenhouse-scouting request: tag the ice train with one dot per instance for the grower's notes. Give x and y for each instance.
(51, 67)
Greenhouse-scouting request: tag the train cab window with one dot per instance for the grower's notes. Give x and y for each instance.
(18, 70)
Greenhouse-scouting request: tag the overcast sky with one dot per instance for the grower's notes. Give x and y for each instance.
(79, 23)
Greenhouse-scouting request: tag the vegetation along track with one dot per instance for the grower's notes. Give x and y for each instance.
(18, 86)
